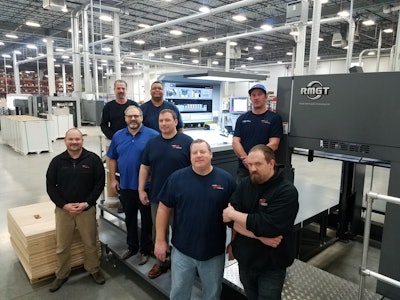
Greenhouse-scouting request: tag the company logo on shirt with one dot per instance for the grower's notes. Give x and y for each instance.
(176, 147)
(265, 122)
(246, 121)
(263, 202)
(217, 187)
(85, 167)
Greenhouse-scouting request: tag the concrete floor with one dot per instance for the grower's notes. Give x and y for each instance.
(23, 183)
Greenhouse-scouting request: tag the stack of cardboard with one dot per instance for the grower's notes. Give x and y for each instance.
(32, 234)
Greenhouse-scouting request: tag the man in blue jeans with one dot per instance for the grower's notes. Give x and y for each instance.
(198, 194)
(263, 210)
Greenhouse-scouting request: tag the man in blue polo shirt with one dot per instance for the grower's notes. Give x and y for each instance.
(125, 150)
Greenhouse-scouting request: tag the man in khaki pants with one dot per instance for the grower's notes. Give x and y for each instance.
(75, 180)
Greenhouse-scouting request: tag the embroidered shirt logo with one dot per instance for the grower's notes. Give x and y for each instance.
(176, 147)
(85, 167)
(217, 187)
(263, 202)
(265, 122)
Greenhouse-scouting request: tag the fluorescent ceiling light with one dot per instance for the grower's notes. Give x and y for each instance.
(105, 17)
(32, 24)
(279, 62)
(266, 27)
(371, 53)
(289, 53)
(162, 48)
(151, 54)
(11, 36)
(132, 53)
(294, 33)
(175, 32)
(233, 43)
(65, 56)
(219, 53)
(107, 49)
(388, 30)
(57, 65)
(368, 22)
(258, 47)
(320, 39)
(142, 25)
(243, 66)
(41, 54)
(343, 13)
(239, 18)
(215, 62)
(204, 9)
(194, 50)
(6, 55)
(250, 58)
(168, 56)
(195, 61)
(30, 46)
(129, 67)
(1, 44)
(60, 50)
(224, 76)
(108, 36)
(139, 42)
(8, 66)
(202, 39)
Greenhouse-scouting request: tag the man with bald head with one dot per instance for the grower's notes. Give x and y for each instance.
(75, 180)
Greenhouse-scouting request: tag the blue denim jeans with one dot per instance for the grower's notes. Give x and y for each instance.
(183, 272)
(265, 285)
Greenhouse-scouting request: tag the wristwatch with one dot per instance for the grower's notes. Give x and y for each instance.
(87, 206)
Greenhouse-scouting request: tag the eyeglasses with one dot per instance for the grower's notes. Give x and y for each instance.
(133, 116)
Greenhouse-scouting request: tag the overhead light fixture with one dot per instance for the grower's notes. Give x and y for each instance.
(343, 13)
(11, 36)
(388, 30)
(41, 54)
(289, 53)
(202, 39)
(239, 18)
(8, 66)
(132, 53)
(215, 62)
(151, 54)
(139, 42)
(324, 1)
(106, 18)
(65, 57)
(266, 27)
(320, 39)
(258, 47)
(142, 25)
(106, 49)
(219, 53)
(318, 57)
(294, 33)
(108, 36)
(163, 47)
(6, 55)
(32, 24)
(223, 76)
(57, 65)
(194, 50)
(129, 67)
(250, 58)
(368, 22)
(370, 53)
(175, 32)
(168, 56)
(2, 44)
(279, 62)
(204, 9)
(233, 43)
(17, 52)
(243, 66)
(30, 46)
(195, 61)
(60, 49)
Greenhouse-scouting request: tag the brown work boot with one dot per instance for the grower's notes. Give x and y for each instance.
(57, 283)
(156, 271)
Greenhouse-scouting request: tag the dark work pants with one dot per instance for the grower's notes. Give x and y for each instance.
(131, 205)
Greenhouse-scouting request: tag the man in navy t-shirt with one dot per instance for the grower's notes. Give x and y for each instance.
(197, 195)
(151, 109)
(258, 126)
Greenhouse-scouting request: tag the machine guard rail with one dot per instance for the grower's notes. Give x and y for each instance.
(371, 196)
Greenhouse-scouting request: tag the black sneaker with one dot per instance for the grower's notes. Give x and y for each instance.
(98, 277)
(56, 284)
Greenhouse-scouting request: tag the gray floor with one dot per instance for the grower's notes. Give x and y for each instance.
(23, 183)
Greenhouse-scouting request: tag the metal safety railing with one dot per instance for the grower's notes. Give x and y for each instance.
(364, 272)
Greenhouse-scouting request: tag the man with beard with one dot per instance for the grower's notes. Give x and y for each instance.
(125, 150)
(197, 194)
(152, 108)
(112, 120)
(263, 210)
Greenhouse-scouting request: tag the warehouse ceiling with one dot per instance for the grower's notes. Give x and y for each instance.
(255, 46)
